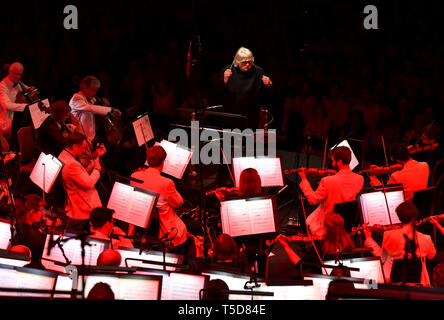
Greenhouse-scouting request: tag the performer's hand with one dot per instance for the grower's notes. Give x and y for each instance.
(116, 112)
(266, 80)
(97, 164)
(302, 174)
(105, 101)
(282, 240)
(435, 221)
(227, 75)
(367, 232)
(100, 150)
(71, 126)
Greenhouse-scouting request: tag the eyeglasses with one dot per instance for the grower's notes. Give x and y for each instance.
(246, 62)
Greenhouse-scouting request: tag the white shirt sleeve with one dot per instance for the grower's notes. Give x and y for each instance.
(78, 103)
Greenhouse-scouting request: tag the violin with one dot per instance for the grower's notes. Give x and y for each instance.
(379, 171)
(88, 157)
(293, 238)
(417, 148)
(313, 172)
(223, 192)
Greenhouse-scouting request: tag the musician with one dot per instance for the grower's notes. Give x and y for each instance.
(336, 240)
(413, 176)
(394, 242)
(9, 89)
(83, 107)
(82, 195)
(170, 225)
(245, 86)
(102, 227)
(54, 133)
(341, 187)
(249, 185)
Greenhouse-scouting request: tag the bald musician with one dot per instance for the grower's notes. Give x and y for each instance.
(341, 187)
(9, 89)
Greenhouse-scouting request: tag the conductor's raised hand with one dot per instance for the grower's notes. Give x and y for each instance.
(266, 80)
(227, 75)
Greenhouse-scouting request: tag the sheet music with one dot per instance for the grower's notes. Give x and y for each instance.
(146, 256)
(47, 167)
(12, 278)
(371, 269)
(131, 205)
(242, 217)
(180, 286)
(112, 281)
(269, 169)
(234, 282)
(143, 124)
(5, 235)
(177, 159)
(73, 252)
(289, 292)
(374, 207)
(38, 116)
(354, 162)
(138, 289)
(321, 284)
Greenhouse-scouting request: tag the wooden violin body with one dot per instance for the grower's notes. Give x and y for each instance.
(313, 172)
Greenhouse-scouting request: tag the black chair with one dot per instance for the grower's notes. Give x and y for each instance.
(26, 159)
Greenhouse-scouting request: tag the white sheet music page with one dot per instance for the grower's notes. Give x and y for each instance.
(38, 116)
(138, 289)
(146, 256)
(143, 130)
(131, 205)
(234, 282)
(289, 292)
(242, 217)
(180, 286)
(5, 235)
(269, 169)
(374, 207)
(371, 269)
(235, 217)
(33, 281)
(177, 159)
(45, 171)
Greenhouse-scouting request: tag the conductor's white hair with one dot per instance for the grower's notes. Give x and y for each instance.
(243, 54)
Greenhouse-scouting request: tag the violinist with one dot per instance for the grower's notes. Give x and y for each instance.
(249, 185)
(83, 107)
(54, 133)
(82, 196)
(336, 240)
(413, 176)
(9, 89)
(394, 242)
(341, 187)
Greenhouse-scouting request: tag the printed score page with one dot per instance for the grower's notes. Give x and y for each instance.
(73, 252)
(374, 207)
(146, 256)
(15, 279)
(289, 292)
(131, 205)
(38, 116)
(234, 282)
(45, 171)
(177, 159)
(143, 130)
(269, 169)
(371, 270)
(242, 217)
(5, 235)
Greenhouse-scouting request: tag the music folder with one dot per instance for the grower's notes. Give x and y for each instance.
(38, 116)
(354, 162)
(373, 206)
(176, 160)
(248, 216)
(45, 171)
(269, 169)
(142, 129)
(132, 204)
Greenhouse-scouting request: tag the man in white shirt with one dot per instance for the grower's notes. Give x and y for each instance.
(413, 176)
(84, 108)
(341, 187)
(9, 89)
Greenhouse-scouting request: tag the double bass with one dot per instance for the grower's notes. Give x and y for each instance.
(111, 124)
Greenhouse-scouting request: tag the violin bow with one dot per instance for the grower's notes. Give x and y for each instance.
(231, 174)
(325, 152)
